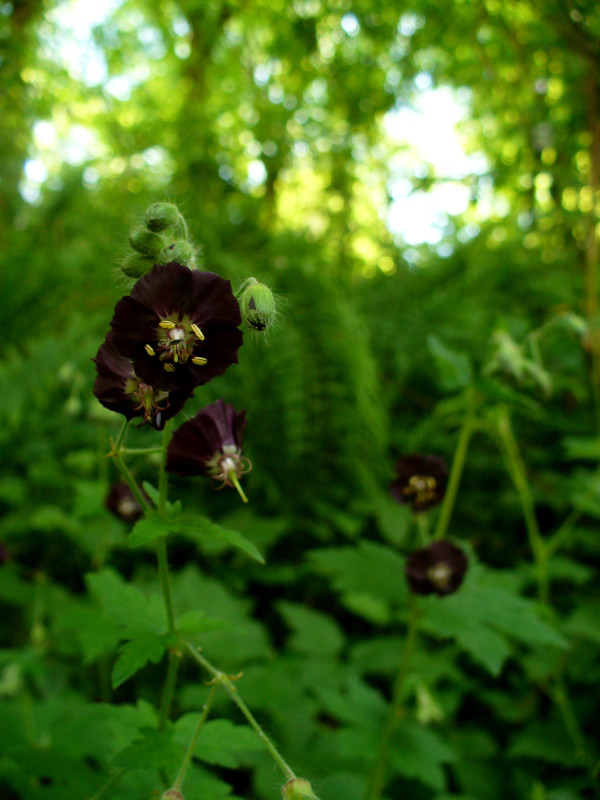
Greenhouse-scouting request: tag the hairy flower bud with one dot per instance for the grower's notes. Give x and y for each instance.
(146, 242)
(298, 789)
(257, 305)
(180, 251)
(160, 216)
(135, 265)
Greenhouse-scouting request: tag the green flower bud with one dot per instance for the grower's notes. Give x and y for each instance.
(135, 265)
(298, 789)
(172, 794)
(257, 305)
(161, 216)
(180, 251)
(146, 242)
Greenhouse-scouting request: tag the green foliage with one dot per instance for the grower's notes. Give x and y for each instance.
(266, 125)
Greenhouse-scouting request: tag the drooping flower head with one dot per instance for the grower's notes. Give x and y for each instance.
(119, 389)
(421, 481)
(179, 325)
(211, 444)
(436, 569)
(121, 502)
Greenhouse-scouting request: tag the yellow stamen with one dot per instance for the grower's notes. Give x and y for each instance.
(165, 323)
(197, 331)
(176, 356)
(149, 349)
(169, 367)
(199, 360)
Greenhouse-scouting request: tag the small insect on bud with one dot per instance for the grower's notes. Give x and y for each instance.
(160, 216)
(180, 251)
(257, 305)
(146, 242)
(298, 789)
(135, 265)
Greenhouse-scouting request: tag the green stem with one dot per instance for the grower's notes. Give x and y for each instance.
(121, 436)
(168, 689)
(165, 584)
(163, 478)
(422, 523)
(190, 751)
(139, 451)
(109, 784)
(516, 470)
(376, 782)
(456, 471)
(130, 481)
(227, 684)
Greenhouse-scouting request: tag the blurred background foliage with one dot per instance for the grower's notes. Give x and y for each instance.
(293, 137)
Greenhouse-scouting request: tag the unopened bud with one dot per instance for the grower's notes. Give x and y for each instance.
(146, 242)
(172, 794)
(180, 251)
(135, 265)
(257, 305)
(298, 789)
(161, 216)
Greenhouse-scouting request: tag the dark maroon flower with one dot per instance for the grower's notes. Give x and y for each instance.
(421, 481)
(180, 326)
(211, 444)
(439, 568)
(118, 388)
(121, 502)
(4, 555)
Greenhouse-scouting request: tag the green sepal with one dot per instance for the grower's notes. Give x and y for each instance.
(160, 216)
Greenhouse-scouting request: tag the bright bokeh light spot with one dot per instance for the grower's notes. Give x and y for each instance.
(350, 25)
(429, 145)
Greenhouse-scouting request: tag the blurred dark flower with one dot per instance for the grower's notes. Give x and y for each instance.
(421, 481)
(119, 389)
(180, 326)
(438, 568)
(121, 502)
(211, 444)
(4, 555)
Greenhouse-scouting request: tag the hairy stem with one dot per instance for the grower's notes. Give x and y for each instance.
(226, 682)
(516, 469)
(456, 471)
(190, 751)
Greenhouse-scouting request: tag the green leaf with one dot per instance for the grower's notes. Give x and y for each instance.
(453, 368)
(149, 528)
(220, 741)
(195, 621)
(126, 604)
(154, 748)
(484, 615)
(314, 632)
(199, 528)
(134, 655)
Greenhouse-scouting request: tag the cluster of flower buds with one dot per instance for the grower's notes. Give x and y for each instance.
(177, 329)
(162, 239)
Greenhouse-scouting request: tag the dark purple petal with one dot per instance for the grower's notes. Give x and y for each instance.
(214, 302)
(167, 289)
(436, 569)
(119, 389)
(197, 443)
(133, 326)
(203, 315)
(421, 481)
(121, 502)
